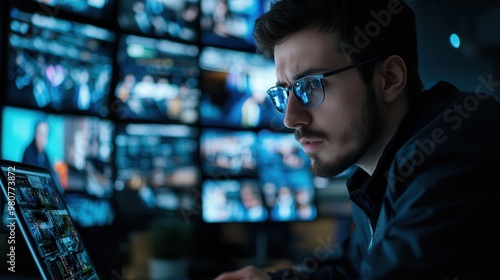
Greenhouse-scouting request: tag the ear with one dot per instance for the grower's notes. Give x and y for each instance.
(393, 76)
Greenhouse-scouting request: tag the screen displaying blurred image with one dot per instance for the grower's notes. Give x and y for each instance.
(233, 201)
(279, 196)
(89, 211)
(289, 194)
(58, 65)
(234, 86)
(276, 178)
(158, 80)
(94, 9)
(227, 153)
(284, 173)
(229, 23)
(160, 18)
(76, 148)
(156, 163)
(162, 155)
(280, 150)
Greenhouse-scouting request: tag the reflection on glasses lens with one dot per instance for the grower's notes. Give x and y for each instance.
(279, 97)
(309, 91)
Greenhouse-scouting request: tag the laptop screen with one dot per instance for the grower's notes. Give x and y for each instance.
(35, 206)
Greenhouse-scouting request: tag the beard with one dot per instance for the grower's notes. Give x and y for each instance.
(362, 133)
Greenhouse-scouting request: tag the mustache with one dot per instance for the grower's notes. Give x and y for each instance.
(308, 133)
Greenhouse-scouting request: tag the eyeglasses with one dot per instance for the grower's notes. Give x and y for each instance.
(308, 90)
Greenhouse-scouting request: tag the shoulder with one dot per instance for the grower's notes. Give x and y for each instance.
(455, 119)
(457, 132)
(444, 102)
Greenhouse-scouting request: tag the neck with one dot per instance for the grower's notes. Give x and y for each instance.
(391, 119)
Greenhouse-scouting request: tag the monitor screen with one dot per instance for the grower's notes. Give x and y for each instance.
(229, 23)
(58, 65)
(177, 19)
(287, 182)
(158, 80)
(285, 196)
(281, 150)
(279, 188)
(156, 162)
(76, 148)
(90, 211)
(234, 86)
(233, 201)
(227, 153)
(92, 9)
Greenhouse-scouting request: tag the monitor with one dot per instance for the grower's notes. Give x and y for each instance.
(279, 149)
(158, 81)
(226, 201)
(157, 164)
(177, 19)
(278, 188)
(76, 148)
(229, 23)
(228, 153)
(287, 182)
(58, 65)
(234, 85)
(90, 211)
(88, 9)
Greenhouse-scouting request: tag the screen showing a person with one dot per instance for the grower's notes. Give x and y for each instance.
(157, 163)
(47, 223)
(229, 23)
(158, 80)
(234, 86)
(58, 65)
(76, 148)
(233, 201)
(278, 187)
(158, 18)
(287, 182)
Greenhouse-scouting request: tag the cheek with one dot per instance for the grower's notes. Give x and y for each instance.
(345, 106)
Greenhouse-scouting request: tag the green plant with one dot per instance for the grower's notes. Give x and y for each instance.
(171, 238)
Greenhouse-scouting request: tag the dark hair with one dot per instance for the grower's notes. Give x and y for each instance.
(368, 28)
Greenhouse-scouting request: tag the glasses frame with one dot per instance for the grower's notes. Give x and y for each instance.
(319, 77)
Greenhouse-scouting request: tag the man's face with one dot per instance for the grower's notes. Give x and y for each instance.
(41, 135)
(337, 133)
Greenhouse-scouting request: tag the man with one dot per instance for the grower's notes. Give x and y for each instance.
(35, 152)
(424, 194)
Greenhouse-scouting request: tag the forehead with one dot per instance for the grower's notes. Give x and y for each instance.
(307, 50)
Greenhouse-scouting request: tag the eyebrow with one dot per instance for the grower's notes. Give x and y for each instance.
(302, 75)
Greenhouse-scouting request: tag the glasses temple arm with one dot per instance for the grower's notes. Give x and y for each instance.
(350, 67)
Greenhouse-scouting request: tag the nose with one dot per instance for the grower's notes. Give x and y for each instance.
(296, 115)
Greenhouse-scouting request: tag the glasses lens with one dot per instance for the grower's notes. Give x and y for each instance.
(309, 91)
(279, 97)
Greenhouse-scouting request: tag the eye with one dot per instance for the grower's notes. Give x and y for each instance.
(314, 84)
(307, 84)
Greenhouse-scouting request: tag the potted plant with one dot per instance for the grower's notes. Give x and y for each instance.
(170, 248)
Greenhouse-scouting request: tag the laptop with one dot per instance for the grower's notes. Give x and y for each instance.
(37, 210)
